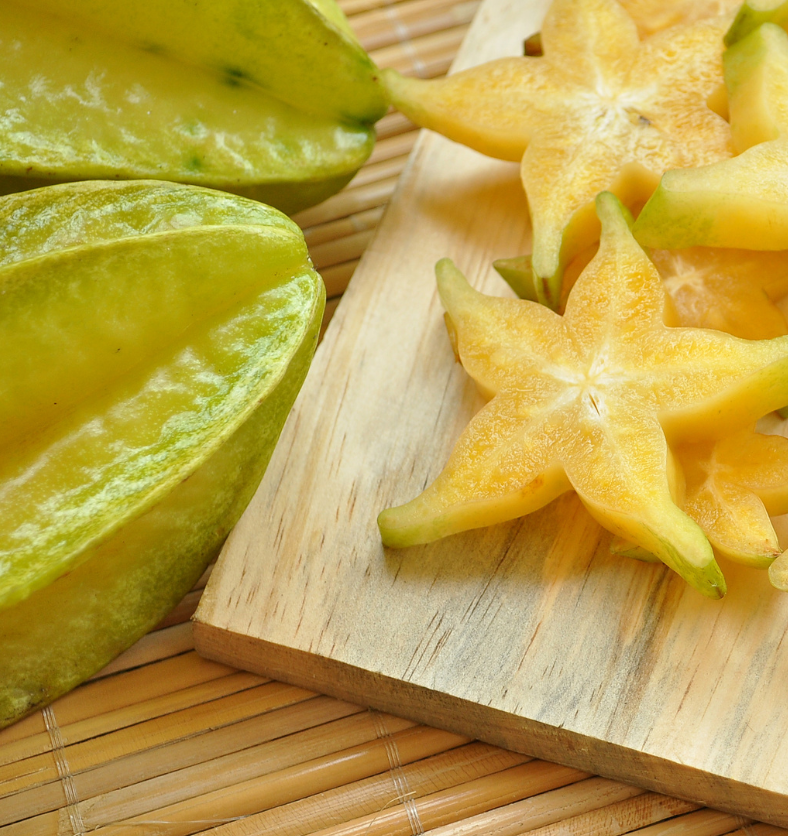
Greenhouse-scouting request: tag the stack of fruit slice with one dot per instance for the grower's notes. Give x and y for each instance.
(656, 439)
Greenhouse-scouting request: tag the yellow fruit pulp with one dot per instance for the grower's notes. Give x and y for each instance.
(600, 110)
(741, 202)
(652, 16)
(591, 401)
(727, 289)
(732, 487)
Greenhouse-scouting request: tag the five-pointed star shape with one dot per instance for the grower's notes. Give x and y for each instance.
(599, 110)
(733, 485)
(588, 401)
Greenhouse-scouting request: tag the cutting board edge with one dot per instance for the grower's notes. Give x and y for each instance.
(491, 725)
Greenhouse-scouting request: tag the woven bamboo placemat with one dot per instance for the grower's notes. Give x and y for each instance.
(164, 742)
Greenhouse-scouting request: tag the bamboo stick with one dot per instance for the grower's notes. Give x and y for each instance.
(377, 28)
(281, 788)
(331, 307)
(334, 230)
(273, 731)
(110, 694)
(547, 808)
(354, 7)
(396, 145)
(472, 797)
(615, 819)
(382, 170)
(349, 248)
(330, 727)
(265, 743)
(348, 202)
(336, 280)
(103, 722)
(150, 734)
(376, 792)
(393, 123)
(704, 822)
(425, 57)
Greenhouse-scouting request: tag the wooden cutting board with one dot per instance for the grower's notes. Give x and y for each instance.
(529, 635)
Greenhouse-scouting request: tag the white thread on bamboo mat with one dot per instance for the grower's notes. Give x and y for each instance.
(398, 776)
(64, 772)
(403, 36)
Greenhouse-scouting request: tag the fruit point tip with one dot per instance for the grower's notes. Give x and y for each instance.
(778, 572)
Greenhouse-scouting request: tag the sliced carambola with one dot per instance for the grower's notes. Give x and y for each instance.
(154, 337)
(732, 487)
(652, 16)
(600, 110)
(271, 99)
(741, 202)
(590, 401)
(708, 287)
(752, 14)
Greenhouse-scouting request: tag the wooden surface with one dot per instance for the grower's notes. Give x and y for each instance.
(528, 635)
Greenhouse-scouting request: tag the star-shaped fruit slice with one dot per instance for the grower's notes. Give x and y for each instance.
(732, 487)
(743, 201)
(732, 290)
(652, 16)
(598, 110)
(591, 401)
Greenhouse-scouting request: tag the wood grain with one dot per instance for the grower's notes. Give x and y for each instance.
(528, 635)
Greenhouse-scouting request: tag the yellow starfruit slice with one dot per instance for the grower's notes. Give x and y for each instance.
(154, 337)
(732, 487)
(600, 110)
(741, 202)
(728, 289)
(275, 99)
(590, 401)
(652, 16)
(735, 291)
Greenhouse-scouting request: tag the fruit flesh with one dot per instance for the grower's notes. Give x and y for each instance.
(590, 400)
(133, 111)
(184, 336)
(652, 16)
(732, 488)
(741, 202)
(600, 110)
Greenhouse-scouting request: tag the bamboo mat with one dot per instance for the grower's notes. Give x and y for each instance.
(164, 742)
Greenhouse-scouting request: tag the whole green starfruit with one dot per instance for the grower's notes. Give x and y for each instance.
(154, 337)
(272, 99)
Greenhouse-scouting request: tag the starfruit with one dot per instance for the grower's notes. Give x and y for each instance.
(592, 401)
(274, 100)
(732, 487)
(652, 16)
(741, 202)
(599, 110)
(732, 290)
(752, 14)
(154, 337)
